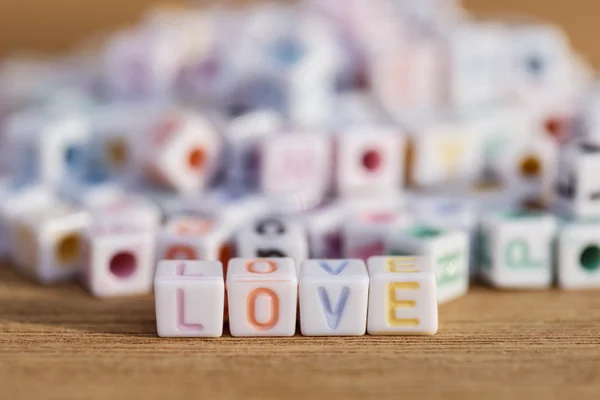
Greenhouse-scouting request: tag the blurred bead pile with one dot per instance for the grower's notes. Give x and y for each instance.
(364, 127)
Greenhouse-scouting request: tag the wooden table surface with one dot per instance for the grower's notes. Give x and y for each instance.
(60, 343)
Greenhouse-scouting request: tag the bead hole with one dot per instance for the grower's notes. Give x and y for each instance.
(68, 249)
(123, 265)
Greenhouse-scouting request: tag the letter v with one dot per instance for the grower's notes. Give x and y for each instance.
(342, 266)
(333, 317)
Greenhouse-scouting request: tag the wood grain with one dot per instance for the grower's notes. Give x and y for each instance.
(59, 343)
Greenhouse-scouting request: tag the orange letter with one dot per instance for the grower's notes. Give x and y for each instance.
(251, 309)
(180, 252)
(271, 264)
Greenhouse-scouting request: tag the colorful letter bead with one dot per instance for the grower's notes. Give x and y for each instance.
(369, 159)
(446, 153)
(262, 296)
(579, 255)
(449, 211)
(120, 259)
(402, 296)
(181, 151)
(295, 162)
(272, 237)
(50, 243)
(448, 251)
(190, 298)
(577, 188)
(194, 238)
(333, 297)
(516, 249)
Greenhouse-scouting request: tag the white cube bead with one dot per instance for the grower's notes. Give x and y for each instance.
(262, 296)
(449, 211)
(190, 298)
(369, 159)
(541, 62)
(402, 296)
(577, 190)
(120, 259)
(295, 162)
(516, 249)
(50, 243)
(22, 201)
(181, 151)
(579, 255)
(446, 153)
(448, 251)
(333, 297)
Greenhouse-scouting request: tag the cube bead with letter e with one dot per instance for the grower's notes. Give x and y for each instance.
(448, 251)
(190, 298)
(333, 297)
(402, 296)
(516, 249)
(262, 296)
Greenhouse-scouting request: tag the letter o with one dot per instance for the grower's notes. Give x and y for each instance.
(250, 266)
(273, 312)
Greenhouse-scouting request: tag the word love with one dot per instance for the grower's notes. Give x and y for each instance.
(388, 296)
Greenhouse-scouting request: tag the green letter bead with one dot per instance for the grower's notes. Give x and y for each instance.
(447, 270)
(522, 258)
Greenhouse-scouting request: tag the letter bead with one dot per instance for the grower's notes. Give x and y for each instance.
(190, 298)
(272, 237)
(262, 296)
(516, 249)
(120, 260)
(333, 297)
(579, 255)
(449, 253)
(402, 296)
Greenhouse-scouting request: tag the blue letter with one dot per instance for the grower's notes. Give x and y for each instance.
(336, 271)
(333, 317)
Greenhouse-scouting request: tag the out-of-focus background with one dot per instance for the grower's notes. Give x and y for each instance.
(57, 25)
